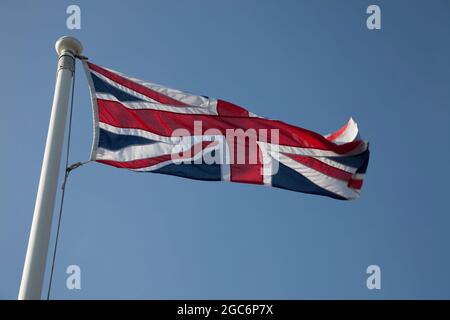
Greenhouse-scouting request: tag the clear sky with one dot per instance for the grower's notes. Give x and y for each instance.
(310, 63)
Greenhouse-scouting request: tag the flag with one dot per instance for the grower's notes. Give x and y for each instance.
(146, 127)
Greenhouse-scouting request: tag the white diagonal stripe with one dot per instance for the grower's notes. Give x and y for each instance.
(156, 105)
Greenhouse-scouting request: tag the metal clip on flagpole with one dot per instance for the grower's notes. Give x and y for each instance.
(35, 260)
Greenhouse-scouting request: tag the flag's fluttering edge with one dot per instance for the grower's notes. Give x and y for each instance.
(146, 127)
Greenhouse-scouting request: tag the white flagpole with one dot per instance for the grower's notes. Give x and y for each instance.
(35, 260)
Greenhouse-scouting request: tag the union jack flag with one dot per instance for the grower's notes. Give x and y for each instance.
(142, 126)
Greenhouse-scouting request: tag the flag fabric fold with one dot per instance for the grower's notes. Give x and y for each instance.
(146, 127)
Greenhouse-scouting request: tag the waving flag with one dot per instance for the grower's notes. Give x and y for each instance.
(146, 127)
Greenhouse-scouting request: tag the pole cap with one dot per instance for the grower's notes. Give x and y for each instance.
(70, 44)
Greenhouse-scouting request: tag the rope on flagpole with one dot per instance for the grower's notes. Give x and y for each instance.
(63, 187)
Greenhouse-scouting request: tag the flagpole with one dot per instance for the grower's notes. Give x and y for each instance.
(36, 256)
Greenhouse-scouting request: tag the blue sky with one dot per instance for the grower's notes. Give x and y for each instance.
(310, 63)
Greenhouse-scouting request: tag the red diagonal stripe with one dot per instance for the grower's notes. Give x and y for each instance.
(321, 167)
(152, 94)
(147, 162)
